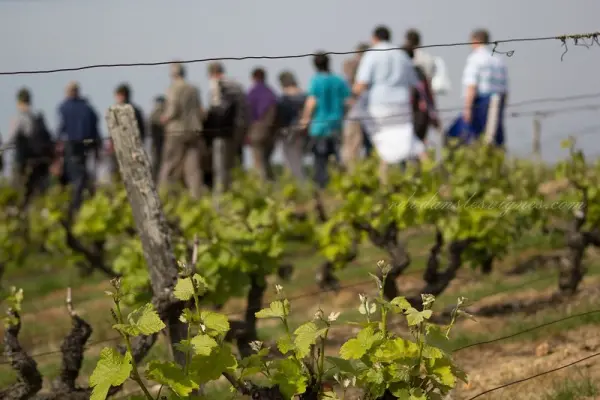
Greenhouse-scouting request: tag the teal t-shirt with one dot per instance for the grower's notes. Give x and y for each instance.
(330, 92)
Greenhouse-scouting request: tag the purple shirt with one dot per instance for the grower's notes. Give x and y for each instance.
(260, 98)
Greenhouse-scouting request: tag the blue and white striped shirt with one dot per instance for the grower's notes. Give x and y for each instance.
(486, 71)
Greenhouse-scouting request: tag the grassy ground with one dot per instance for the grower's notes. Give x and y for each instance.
(45, 320)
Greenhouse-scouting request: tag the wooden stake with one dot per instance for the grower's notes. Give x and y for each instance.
(150, 221)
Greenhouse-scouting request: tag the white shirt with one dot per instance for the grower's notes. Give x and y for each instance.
(486, 71)
(389, 74)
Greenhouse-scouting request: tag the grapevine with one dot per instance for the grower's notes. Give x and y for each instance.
(376, 361)
(470, 200)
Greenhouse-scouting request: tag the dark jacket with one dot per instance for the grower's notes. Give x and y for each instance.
(157, 129)
(139, 117)
(290, 109)
(423, 103)
(78, 121)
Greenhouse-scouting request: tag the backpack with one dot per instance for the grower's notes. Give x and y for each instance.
(421, 118)
(219, 122)
(37, 145)
(220, 119)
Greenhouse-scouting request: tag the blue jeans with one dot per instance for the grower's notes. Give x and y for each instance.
(322, 148)
(469, 132)
(76, 156)
(366, 141)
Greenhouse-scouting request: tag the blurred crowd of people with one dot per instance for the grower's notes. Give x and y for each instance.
(384, 102)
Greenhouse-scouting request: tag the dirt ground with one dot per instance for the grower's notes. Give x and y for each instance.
(513, 361)
(496, 365)
(502, 364)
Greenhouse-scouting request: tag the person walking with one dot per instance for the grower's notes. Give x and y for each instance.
(355, 135)
(157, 135)
(328, 95)
(123, 96)
(227, 122)
(78, 131)
(34, 148)
(422, 58)
(261, 135)
(485, 93)
(432, 66)
(293, 137)
(389, 78)
(423, 102)
(184, 146)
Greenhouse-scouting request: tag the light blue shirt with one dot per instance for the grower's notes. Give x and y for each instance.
(390, 75)
(487, 72)
(330, 92)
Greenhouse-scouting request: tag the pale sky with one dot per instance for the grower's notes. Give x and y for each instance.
(45, 34)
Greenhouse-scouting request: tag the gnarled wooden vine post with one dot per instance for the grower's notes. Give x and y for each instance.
(151, 224)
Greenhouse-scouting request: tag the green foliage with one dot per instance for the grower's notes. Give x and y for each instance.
(45, 226)
(130, 263)
(296, 197)
(376, 360)
(143, 321)
(187, 287)
(13, 300)
(239, 234)
(106, 214)
(13, 238)
(421, 368)
(113, 369)
(243, 235)
(584, 184)
(172, 376)
(362, 200)
(472, 193)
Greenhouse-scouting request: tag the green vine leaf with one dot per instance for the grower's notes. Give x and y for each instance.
(184, 289)
(215, 322)
(306, 336)
(277, 309)
(290, 378)
(400, 305)
(285, 344)
(209, 368)
(359, 346)
(436, 338)
(415, 317)
(143, 321)
(112, 370)
(203, 345)
(172, 376)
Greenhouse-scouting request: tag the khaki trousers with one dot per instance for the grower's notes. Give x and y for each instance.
(223, 161)
(352, 143)
(293, 151)
(183, 152)
(262, 135)
(261, 158)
